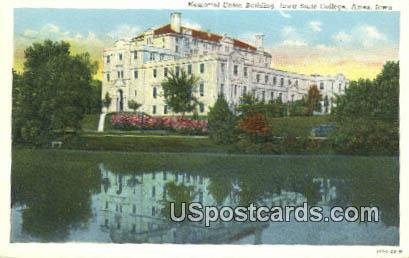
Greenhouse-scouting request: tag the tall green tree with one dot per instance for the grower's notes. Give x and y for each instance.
(313, 100)
(52, 94)
(222, 122)
(368, 114)
(178, 91)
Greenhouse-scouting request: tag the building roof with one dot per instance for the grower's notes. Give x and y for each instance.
(203, 35)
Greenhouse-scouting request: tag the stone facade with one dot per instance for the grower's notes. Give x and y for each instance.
(135, 68)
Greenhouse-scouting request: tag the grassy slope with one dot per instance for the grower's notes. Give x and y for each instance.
(297, 126)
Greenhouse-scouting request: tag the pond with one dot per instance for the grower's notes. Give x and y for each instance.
(76, 196)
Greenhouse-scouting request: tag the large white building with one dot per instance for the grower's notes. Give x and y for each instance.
(135, 68)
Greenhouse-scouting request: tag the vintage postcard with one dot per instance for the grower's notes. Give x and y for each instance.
(243, 127)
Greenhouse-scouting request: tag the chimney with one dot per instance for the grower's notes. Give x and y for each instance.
(259, 40)
(175, 22)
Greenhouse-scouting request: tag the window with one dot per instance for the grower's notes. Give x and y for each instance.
(135, 55)
(201, 108)
(221, 89)
(164, 192)
(280, 96)
(135, 74)
(274, 80)
(135, 93)
(177, 70)
(106, 222)
(189, 69)
(201, 197)
(165, 175)
(133, 208)
(245, 71)
(222, 67)
(133, 228)
(120, 57)
(263, 96)
(108, 77)
(120, 74)
(153, 109)
(258, 77)
(153, 211)
(118, 225)
(165, 72)
(265, 78)
(235, 70)
(155, 92)
(244, 90)
(165, 109)
(321, 85)
(154, 73)
(289, 82)
(281, 81)
(177, 49)
(201, 68)
(339, 87)
(272, 95)
(108, 59)
(106, 205)
(201, 89)
(296, 83)
(152, 56)
(292, 98)
(153, 191)
(153, 175)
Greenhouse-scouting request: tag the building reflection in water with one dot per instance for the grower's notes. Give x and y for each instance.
(131, 207)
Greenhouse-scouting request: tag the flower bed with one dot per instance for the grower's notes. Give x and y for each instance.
(126, 121)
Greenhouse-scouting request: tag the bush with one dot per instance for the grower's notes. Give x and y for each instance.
(221, 122)
(366, 137)
(127, 121)
(255, 126)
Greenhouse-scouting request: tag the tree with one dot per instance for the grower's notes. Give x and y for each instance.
(107, 100)
(367, 115)
(52, 94)
(132, 104)
(178, 92)
(313, 100)
(221, 122)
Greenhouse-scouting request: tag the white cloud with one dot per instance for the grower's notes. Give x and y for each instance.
(342, 37)
(124, 31)
(283, 14)
(294, 43)
(191, 24)
(291, 37)
(315, 26)
(366, 36)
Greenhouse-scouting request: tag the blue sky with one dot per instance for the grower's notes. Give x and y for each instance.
(235, 23)
(296, 38)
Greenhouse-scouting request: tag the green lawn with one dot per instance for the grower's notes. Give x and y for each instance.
(297, 126)
(144, 143)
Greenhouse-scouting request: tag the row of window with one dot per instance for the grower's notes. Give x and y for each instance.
(244, 91)
(155, 91)
(165, 109)
(120, 74)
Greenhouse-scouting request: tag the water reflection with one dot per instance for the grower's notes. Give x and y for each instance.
(110, 205)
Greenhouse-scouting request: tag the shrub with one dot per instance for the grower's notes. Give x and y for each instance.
(255, 126)
(127, 121)
(221, 122)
